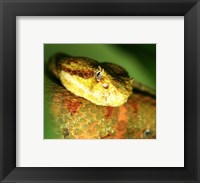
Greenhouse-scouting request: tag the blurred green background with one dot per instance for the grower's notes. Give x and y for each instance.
(138, 59)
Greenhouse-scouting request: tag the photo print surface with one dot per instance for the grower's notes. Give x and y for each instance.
(99, 91)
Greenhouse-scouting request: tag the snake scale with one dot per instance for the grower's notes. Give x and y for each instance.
(130, 113)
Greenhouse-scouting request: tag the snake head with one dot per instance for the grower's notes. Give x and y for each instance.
(98, 74)
(99, 83)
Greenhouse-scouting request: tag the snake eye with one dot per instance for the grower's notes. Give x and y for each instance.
(98, 76)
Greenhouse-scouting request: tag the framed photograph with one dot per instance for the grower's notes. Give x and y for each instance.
(99, 91)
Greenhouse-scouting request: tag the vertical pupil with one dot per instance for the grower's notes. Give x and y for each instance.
(98, 76)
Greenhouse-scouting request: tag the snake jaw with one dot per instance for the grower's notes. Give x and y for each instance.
(93, 91)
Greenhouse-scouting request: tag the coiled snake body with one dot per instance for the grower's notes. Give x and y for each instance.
(97, 101)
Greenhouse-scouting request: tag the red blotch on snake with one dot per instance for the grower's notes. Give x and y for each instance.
(73, 106)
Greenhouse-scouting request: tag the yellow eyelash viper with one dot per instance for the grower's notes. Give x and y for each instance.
(93, 100)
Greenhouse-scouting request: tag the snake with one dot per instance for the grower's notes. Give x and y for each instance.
(105, 83)
(88, 99)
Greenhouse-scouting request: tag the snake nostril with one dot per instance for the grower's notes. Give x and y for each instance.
(105, 85)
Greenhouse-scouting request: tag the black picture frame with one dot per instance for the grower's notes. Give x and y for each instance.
(190, 9)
